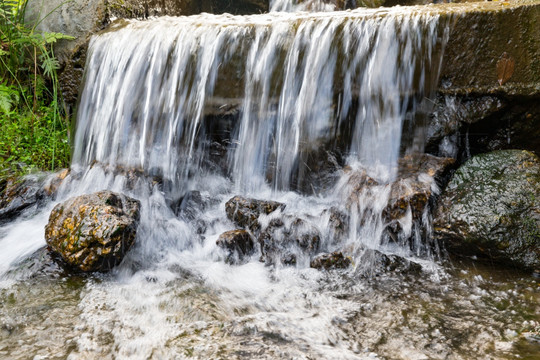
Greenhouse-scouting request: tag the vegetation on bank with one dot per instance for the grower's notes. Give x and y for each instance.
(33, 124)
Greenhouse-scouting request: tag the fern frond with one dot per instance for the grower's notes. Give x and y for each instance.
(52, 37)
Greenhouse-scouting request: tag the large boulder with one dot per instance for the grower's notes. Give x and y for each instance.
(491, 207)
(93, 232)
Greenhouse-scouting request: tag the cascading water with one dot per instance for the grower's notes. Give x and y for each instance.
(298, 94)
(228, 105)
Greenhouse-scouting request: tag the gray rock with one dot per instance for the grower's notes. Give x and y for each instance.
(491, 207)
(93, 232)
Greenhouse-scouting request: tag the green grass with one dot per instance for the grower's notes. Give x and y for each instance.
(33, 126)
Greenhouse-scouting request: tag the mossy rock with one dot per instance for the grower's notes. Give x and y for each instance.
(93, 232)
(491, 207)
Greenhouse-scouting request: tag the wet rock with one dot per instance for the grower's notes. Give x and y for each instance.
(93, 232)
(491, 208)
(465, 125)
(480, 38)
(418, 175)
(283, 241)
(189, 204)
(338, 224)
(374, 263)
(335, 260)
(53, 182)
(237, 243)
(245, 212)
(415, 165)
(452, 112)
(18, 194)
(407, 195)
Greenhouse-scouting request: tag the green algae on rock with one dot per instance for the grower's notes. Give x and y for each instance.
(93, 232)
(491, 208)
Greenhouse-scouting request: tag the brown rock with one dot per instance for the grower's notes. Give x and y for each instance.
(238, 243)
(93, 232)
(335, 260)
(245, 212)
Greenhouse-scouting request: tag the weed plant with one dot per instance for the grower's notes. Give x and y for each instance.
(33, 126)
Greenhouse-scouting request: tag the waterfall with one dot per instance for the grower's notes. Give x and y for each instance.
(294, 6)
(149, 85)
(312, 114)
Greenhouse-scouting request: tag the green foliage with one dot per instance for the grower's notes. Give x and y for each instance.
(8, 97)
(33, 126)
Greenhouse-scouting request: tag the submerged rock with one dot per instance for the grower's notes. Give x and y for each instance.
(491, 207)
(335, 260)
(93, 232)
(245, 212)
(238, 243)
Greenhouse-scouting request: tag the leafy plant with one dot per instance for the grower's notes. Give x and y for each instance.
(34, 126)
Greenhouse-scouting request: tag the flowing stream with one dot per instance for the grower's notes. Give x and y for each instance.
(285, 106)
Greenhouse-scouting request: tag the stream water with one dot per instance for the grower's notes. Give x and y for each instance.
(242, 105)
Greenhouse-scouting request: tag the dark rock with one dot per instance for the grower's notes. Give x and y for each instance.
(517, 126)
(18, 194)
(245, 212)
(335, 260)
(338, 224)
(468, 125)
(283, 241)
(238, 243)
(188, 205)
(452, 112)
(374, 263)
(491, 208)
(93, 232)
